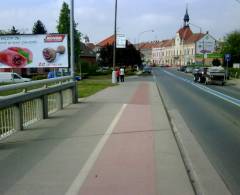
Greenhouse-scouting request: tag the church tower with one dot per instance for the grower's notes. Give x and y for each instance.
(186, 19)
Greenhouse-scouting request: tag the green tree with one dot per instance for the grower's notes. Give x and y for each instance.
(231, 45)
(216, 62)
(63, 27)
(3, 32)
(39, 28)
(128, 56)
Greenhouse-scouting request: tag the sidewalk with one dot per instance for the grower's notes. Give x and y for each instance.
(234, 82)
(117, 142)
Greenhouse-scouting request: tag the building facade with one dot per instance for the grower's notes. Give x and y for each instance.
(184, 49)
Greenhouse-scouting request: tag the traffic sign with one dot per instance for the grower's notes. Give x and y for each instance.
(227, 57)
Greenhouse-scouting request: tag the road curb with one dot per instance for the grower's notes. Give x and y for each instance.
(196, 182)
(188, 168)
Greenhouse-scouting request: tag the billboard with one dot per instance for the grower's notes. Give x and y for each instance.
(207, 44)
(33, 51)
(121, 41)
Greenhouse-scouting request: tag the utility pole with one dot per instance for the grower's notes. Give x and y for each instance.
(74, 91)
(115, 44)
(72, 39)
(203, 52)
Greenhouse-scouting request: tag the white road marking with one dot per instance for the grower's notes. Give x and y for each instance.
(208, 90)
(78, 182)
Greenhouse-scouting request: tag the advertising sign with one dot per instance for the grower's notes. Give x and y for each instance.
(121, 41)
(207, 44)
(33, 51)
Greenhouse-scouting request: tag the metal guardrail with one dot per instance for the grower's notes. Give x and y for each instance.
(36, 101)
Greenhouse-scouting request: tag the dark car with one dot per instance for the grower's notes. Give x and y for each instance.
(147, 69)
(199, 75)
(182, 68)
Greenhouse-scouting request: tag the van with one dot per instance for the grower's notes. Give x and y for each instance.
(11, 77)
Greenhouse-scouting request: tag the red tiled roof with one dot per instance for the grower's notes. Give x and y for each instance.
(185, 33)
(168, 43)
(146, 45)
(108, 41)
(194, 38)
(164, 43)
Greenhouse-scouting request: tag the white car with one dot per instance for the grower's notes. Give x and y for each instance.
(11, 77)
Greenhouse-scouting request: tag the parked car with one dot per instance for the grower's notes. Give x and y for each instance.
(195, 70)
(215, 75)
(188, 69)
(53, 74)
(147, 69)
(200, 75)
(11, 77)
(182, 68)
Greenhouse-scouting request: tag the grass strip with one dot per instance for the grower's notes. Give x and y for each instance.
(92, 85)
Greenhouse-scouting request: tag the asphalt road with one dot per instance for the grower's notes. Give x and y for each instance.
(214, 121)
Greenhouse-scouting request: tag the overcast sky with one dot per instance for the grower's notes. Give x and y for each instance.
(96, 17)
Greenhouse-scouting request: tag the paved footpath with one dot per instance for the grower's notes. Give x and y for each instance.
(116, 142)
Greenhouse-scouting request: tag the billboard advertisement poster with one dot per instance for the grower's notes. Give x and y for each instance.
(121, 41)
(206, 45)
(33, 51)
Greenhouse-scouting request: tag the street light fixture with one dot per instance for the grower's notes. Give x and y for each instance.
(140, 34)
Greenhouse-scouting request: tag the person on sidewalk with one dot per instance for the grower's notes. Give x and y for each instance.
(122, 73)
(117, 74)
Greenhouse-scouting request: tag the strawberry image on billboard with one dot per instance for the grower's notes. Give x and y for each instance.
(33, 51)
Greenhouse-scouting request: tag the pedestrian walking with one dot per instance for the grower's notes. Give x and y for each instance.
(122, 73)
(117, 74)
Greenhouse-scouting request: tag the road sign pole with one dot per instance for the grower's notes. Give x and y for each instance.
(227, 70)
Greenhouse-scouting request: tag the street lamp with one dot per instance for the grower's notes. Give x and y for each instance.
(203, 49)
(114, 44)
(141, 33)
(74, 91)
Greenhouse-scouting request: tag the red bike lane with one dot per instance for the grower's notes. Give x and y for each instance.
(126, 164)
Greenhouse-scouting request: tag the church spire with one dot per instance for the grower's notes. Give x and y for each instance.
(186, 18)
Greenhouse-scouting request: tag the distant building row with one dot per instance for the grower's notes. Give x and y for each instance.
(186, 48)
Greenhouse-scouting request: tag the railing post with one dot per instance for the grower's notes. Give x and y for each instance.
(18, 115)
(61, 99)
(45, 106)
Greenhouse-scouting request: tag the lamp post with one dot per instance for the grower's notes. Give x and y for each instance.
(72, 39)
(200, 28)
(140, 34)
(203, 50)
(74, 91)
(114, 44)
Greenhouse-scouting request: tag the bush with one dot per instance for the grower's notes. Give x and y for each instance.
(234, 72)
(129, 72)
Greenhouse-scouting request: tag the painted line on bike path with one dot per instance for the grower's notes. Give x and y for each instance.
(208, 90)
(79, 180)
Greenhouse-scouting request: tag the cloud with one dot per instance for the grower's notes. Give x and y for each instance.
(96, 18)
